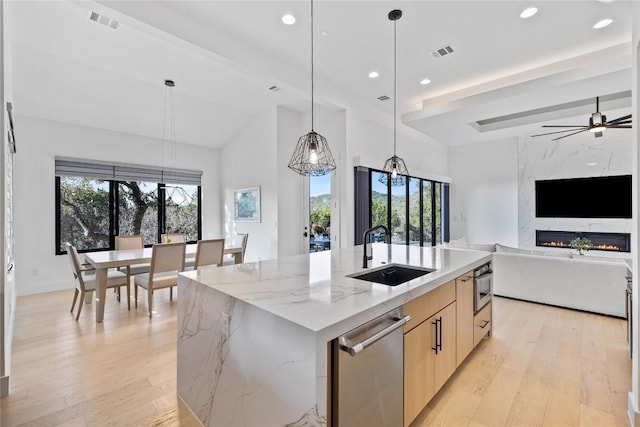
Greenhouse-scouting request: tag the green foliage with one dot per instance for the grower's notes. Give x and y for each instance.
(84, 220)
(581, 244)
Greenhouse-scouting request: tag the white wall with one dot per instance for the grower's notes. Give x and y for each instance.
(370, 143)
(484, 192)
(572, 157)
(39, 142)
(634, 394)
(249, 160)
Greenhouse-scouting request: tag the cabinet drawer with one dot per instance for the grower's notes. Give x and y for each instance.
(429, 304)
(481, 324)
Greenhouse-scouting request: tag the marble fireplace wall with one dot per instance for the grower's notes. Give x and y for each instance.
(577, 156)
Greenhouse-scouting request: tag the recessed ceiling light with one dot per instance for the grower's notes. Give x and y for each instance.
(602, 23)
(592, 163)
(425, 81)
(289, 19)
(528, 12)
(373, 74)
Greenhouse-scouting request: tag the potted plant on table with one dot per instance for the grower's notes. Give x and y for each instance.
(581, 244)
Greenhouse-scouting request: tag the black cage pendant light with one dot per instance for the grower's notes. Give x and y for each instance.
(312, 156)
(397, 170)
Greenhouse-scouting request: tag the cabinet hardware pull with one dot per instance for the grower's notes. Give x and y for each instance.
(466, 279)
(484, 324)
(440, 334)
(436, 323)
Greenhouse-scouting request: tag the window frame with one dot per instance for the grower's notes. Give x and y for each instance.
(444, 214)
(114, 216)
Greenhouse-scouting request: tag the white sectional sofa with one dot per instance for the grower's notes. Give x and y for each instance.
(583, 282)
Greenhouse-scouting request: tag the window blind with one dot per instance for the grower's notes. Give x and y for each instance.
(123, 172)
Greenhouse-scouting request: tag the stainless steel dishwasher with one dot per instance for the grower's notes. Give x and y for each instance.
(367, 373)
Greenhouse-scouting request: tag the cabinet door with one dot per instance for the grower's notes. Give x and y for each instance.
(418, 369)
(464, 316)
(445, 360)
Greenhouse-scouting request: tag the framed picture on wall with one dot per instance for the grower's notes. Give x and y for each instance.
(246, 204)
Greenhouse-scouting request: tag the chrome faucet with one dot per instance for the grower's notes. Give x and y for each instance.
(366, 236)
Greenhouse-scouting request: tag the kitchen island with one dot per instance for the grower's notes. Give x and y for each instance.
(253, 338)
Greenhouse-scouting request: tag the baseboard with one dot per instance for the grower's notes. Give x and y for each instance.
(634, 415)
(4, 386)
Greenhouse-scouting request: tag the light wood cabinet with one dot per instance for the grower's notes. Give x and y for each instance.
(482, 324)
(425, 306)
(429, 359)
(464, 317)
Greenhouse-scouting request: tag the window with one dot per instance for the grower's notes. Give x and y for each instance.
(95, 202)
(415, 213)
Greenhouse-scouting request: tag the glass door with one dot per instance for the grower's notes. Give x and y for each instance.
(319, 213)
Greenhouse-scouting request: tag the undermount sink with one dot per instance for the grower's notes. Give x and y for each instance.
(391, 275)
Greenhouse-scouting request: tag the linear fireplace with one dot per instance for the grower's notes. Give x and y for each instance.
(615, 242)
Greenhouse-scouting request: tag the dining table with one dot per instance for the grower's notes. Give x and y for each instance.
(102, 261)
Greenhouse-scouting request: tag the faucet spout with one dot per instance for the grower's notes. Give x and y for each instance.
(366, 237)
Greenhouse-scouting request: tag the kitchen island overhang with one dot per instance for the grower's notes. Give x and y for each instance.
(253, 338)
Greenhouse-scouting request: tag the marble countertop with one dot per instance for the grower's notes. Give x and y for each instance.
(313, 291)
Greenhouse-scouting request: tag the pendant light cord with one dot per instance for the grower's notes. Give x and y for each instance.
(395, 102)
(311, 65)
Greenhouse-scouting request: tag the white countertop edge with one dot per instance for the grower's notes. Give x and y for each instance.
(283, 287)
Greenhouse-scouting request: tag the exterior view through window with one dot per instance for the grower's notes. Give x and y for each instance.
(87, 209)
(414, 212)
(85, 216)
(320, 213)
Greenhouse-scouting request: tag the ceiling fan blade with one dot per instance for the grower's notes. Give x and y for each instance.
(560, 131)
(624, 122)
(618, 126)
(563, 126)
(564, 136)
(619, 119)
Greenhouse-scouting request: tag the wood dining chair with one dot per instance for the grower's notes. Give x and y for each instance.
(86, 283)
(209, 253)
(167, 260)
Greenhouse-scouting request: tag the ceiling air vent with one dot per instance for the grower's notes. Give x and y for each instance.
(275, 88)
(383, 98)
(440, 52)
(101, 19)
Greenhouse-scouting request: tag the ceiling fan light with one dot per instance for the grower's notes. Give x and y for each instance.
(597, 129)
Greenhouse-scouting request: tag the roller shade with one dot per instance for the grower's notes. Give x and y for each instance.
(122, 172)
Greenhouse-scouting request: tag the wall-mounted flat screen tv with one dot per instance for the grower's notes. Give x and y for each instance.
(597, 197)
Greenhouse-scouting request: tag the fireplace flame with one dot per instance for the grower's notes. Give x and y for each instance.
(602, 246)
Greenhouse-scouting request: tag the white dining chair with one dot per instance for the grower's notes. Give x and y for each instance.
(167, 260)
(134, 241)
(178, 238)
(86, 283)
(172, 238)
(230, 259)
(209, 253)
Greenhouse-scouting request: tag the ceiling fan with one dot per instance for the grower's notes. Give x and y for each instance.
(597, 124)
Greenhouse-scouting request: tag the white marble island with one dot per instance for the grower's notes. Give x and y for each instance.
(252, 338)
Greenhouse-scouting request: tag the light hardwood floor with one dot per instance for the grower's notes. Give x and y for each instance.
(543, 366)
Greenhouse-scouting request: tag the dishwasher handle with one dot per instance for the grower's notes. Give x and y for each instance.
(356, 349)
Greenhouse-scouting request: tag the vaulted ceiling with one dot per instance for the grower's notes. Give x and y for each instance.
(232, 59)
